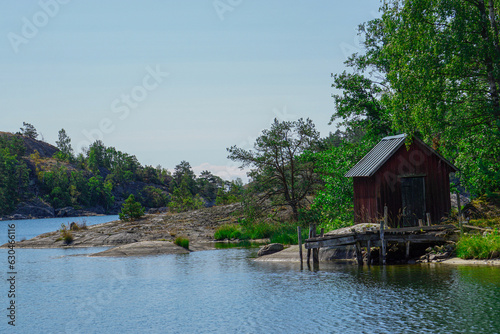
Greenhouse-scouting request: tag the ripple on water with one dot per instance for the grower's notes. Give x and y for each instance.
(225, 291)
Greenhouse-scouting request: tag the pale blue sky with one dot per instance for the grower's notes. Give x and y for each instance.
(233, 66)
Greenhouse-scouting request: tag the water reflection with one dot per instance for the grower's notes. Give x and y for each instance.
(227, 291)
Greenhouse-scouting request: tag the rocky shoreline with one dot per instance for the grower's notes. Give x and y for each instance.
(35, 208)
(198, 226)
(155, 234)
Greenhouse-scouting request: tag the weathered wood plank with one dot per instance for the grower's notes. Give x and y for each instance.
(420, 228)
(331, 242)
(477, 228)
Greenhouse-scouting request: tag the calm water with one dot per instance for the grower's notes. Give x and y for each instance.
(225, 291)
(29, 228)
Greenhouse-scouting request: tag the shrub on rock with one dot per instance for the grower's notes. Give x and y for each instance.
(131, 209)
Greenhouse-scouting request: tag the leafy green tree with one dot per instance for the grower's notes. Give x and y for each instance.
(149, 174)
(232, 192)
(277, 168)
(184, 173)
(444, 73)
(153, 197)
(100, 192)
(182, 200)
(208, 185)
(13, 175)
(131, 209)
(430, 68)
(64, 145)
(333, 204)
(28, 130)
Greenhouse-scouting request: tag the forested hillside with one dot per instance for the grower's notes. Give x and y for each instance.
(40, 180)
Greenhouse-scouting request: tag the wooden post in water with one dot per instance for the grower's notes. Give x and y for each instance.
(386, 217)
(299, 234)
(383, 242)
(309, 249)
(369, 251)
(315, 250)
(359, 255)
(428, 215)
(407, 250)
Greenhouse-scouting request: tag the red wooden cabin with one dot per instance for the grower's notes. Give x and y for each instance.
(410, 182)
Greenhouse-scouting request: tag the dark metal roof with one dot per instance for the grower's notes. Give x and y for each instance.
(378, 155)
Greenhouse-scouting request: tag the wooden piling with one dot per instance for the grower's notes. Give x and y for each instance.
(299, 234)
(383, 242)
(420, 222)
(359, 255)
(428, 215)
(386, 217)
(315, 251)
(407, 250)
(369, 251)
(309, 250)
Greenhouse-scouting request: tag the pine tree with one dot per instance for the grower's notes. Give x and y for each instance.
(131, 209)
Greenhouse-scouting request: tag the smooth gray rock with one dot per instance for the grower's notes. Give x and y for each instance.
(270, 249)
(144, 248)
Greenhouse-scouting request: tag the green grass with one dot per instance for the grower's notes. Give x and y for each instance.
(66, 234)
(229, 231)
(479, 246)
(183, 242)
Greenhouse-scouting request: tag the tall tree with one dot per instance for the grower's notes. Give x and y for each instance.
(276, 164)
(64, 145)
(28, 130)
(183, 171)
(208, 185)
(431, 68)
(444, 70)
(182, 199)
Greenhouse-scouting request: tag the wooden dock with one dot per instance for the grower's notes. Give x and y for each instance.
(436, 234)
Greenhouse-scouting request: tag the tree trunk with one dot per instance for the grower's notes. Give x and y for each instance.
(295, 211)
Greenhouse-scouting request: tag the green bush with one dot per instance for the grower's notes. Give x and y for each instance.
(182, 242)
(131, 209)
(229, 231)
(479, 246)
(66, 234)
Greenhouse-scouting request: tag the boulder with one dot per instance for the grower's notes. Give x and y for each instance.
(34, 208)
(270, 249)
(68, 211)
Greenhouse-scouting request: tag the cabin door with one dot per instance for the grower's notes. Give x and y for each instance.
(413, 200)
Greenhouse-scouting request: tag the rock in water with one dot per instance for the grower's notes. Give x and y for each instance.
(270, 249)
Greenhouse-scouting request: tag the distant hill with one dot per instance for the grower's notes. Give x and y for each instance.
(40, 181)
(46, 150)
